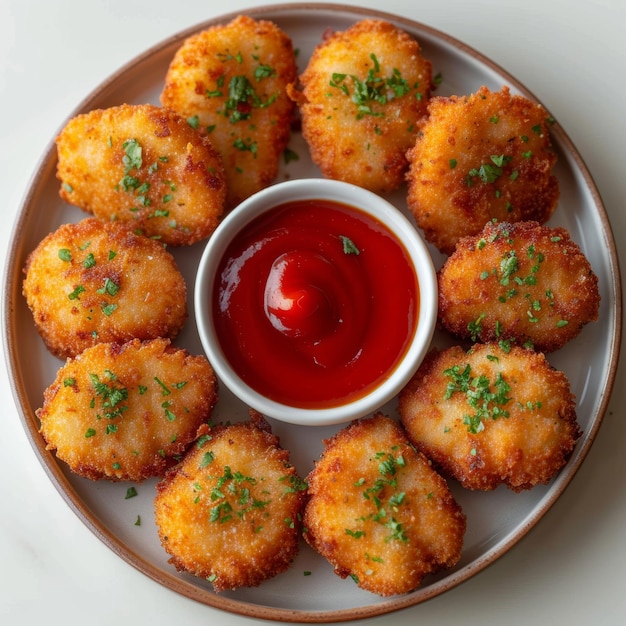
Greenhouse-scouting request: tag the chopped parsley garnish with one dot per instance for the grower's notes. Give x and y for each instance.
(65, 254)
(111, 396)
(290, 155)
(242, 98)
(132, 158)
(295, 484)
(246, 145)
(485, 399)
(348, 246)
(385, 497)
(375, 89)
(110, 288)
(74, 295)
(489, 172)
(207, 458)
(233, 498)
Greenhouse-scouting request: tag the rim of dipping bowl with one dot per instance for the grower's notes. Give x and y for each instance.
(365, 201)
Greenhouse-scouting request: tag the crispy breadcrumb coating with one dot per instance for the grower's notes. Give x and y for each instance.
(229, 81)
(379, 512)
(479, 157)
(522, 283)
(230, 511)
(125, 412)
(488, 417)
(145, 165)
(360, 98)
(94, 281)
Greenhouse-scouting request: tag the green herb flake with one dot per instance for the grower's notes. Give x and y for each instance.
(110, 287)
(207, 458)
(290, 155)
(65, 254)
(202, 440)
(348, 246)
(264, 71)
(242, 98)
(131, 492)
(76, 293)
(489, 172)
(132, 158)
(485, 399)
(165, 391)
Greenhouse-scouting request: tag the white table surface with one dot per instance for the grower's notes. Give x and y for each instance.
(571, 569)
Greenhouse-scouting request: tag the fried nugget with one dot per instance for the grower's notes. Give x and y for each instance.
(379, 512)
(230, 511)
(145, 165)
(126, 411)
(522, 283)
(229, 81)
(94, 281)
(489, 417)
(360, 98)
(479, 157)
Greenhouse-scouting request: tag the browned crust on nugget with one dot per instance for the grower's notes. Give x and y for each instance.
(479, 157)
(230, 512)
(231, 80)
(94, 282)
(146, 165)
(379, 512)
(364, 143)
(488, 417)
(126, 412)
(522, 283)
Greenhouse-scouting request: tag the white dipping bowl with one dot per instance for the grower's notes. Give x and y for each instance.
(343, 193)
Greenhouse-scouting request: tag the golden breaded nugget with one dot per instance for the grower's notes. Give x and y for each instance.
(230, 511)
(127, 411)
(379, 512)
(522, 283)
(96, 281)
(489, 417)
(229, 81)
(479, 157)
(145, 165)
(362, 93)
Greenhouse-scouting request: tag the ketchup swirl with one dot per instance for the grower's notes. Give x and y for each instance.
(315, 303)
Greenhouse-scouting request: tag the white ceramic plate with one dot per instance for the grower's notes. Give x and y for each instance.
(496, 520)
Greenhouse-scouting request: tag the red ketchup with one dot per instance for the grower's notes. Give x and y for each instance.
(315, 303)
